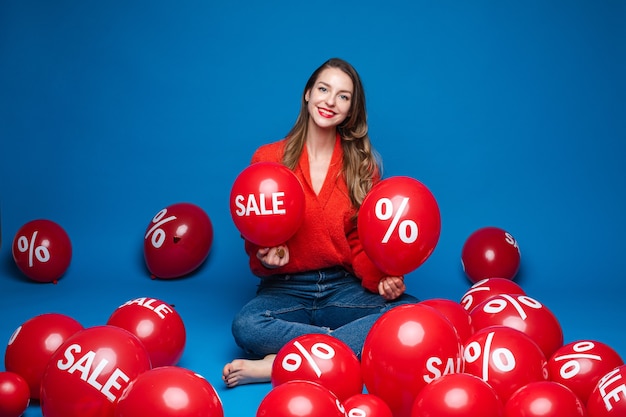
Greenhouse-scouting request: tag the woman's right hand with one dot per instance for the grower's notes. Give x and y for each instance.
(273, 257)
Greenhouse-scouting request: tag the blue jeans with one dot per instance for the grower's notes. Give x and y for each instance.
(329, 301)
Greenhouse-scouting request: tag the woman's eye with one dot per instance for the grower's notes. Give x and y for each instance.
(344, 97)
(322, 89)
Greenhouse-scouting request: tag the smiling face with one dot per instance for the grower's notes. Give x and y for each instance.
(330, 98)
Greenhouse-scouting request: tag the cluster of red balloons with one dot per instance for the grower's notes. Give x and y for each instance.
(496, 353)
(108, 370)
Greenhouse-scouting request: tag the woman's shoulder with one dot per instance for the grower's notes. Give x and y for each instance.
(270, 152)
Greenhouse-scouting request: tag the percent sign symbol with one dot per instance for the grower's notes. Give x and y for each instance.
(407, 229)
(40, 252)
(502, 358)
(158, 234)
(292, 361)
(499, 304)
(572, 367)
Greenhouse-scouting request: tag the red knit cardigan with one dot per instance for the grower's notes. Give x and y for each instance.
(328, 236)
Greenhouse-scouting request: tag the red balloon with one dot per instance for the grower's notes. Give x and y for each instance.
(89, 372)
(453, 311)
(169, 391)
(505, 358)
(490, 252)
(407, 348)
(32, 344)
(267, 203)
(299, 399)
(14, 395)
(523, 313)
(457, 395)
(399, 225)
(158, 326)
(580, 365)
(544, 399)
(42, 250)
(177, 240)
(608, 398)
(322, 359)
(366, 405)
(486, 288)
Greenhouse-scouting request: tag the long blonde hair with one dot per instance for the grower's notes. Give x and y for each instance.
(361, 164)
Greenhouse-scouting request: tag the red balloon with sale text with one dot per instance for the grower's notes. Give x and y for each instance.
(608, 398)
(399, 224)
(177, 240)
(319, 358)
(34, 342)
(42, 250)
(407, 348)
(169, 391)
(267, 203)
(88, 373)
(159, 327)
(490, 252)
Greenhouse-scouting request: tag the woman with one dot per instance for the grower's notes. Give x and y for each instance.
(321, 280)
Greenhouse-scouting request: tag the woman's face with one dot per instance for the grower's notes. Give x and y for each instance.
(330, 98)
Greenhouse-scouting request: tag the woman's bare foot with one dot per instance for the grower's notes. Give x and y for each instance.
(247, 371)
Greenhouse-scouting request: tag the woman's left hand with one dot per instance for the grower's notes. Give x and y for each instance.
(391, 288)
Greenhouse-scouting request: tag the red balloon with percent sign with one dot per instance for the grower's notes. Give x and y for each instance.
(177, 240)
(608, 398)
(299, 399)
(159, 327)
(169, 391)
(267, 203)
(34, 342)
(42, 250)
(490, 252)
(486, 288)
(407, 348)
(366, 405)
(89, 372)
(523, 313)
(399, 225)
(453, 311)
(319, 358)
(14, 395)
(505, 358)
(579, 365)
(544, 399)
(457, 395)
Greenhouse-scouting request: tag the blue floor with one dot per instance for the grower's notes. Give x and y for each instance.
(513, 116)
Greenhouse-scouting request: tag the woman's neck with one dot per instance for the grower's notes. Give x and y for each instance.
(320, 141)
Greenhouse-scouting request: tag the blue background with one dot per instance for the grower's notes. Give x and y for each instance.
(512, 113)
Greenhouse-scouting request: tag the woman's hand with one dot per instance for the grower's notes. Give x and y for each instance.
(391, 288)
(273, 257)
